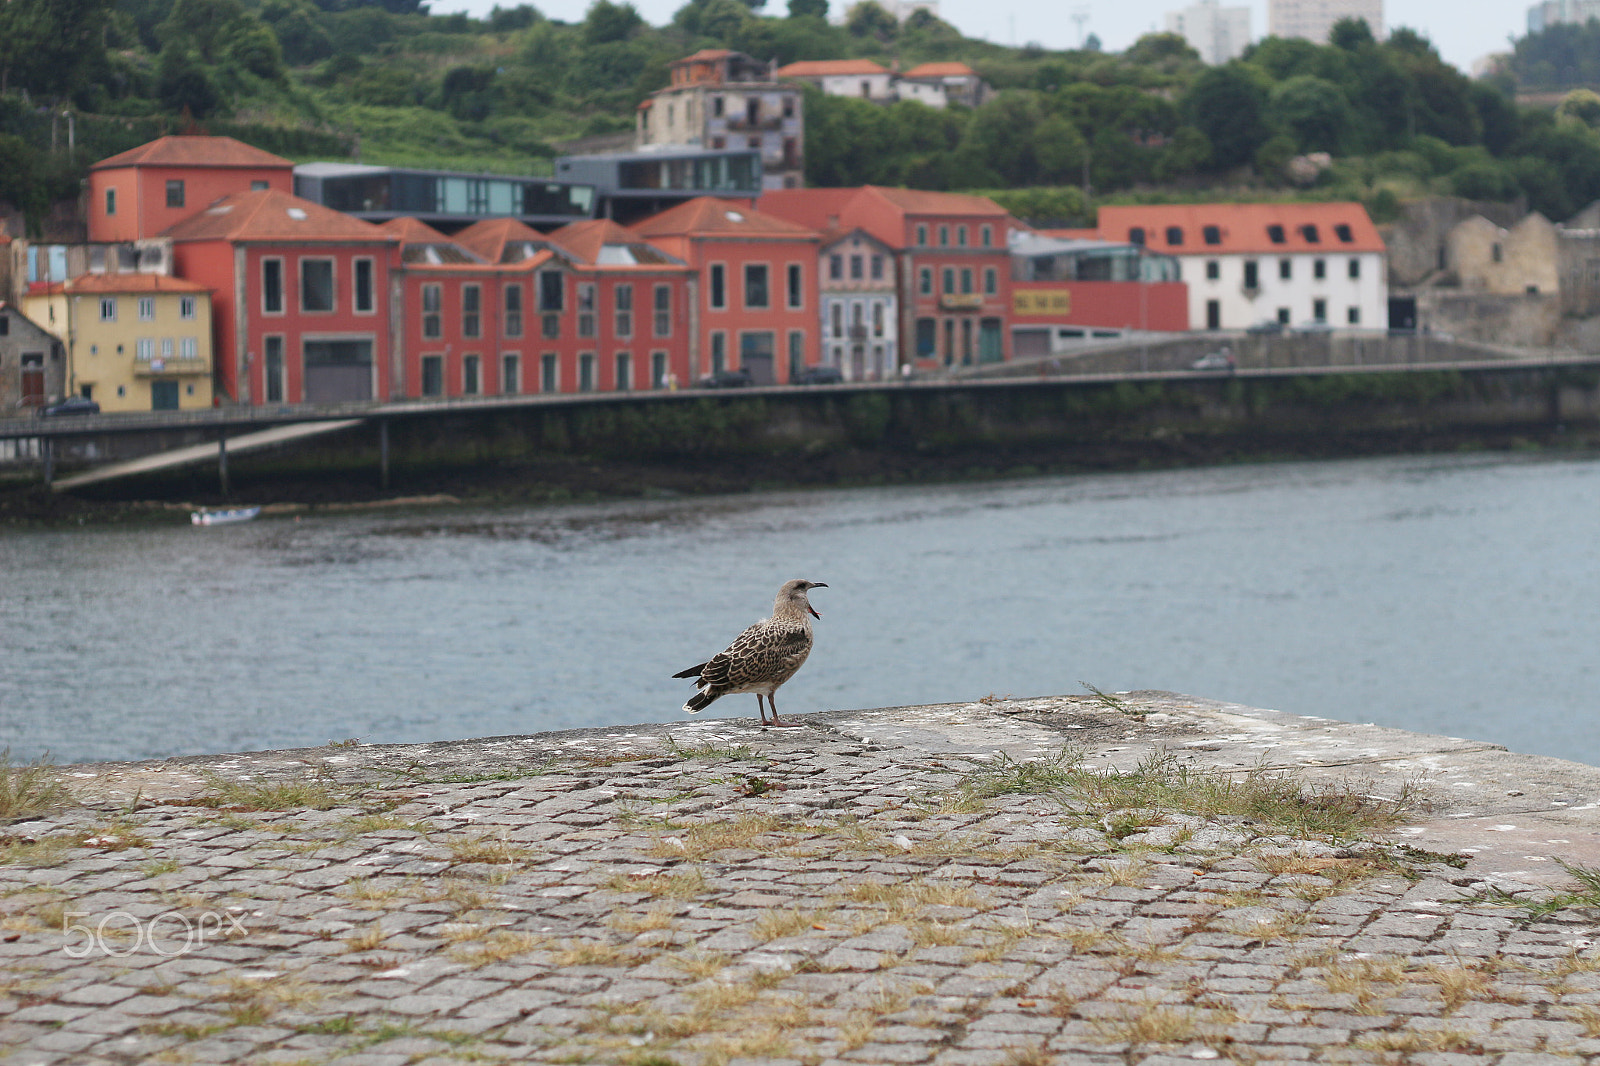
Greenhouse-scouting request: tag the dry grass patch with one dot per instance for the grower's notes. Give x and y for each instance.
(591, 953)
(33, 788)
(682, 884)
(498, 946)
(487, 849)
(368, 939)
(1460, 983)
(304, 793)
(660, 916)
(700, 966)
(716, 997)
(901, 899)
(363, 892)
(463, 896)
(1413, 1040)
(777, 924)
(1150, 1024)
(1588, 1017)
(927, 933)
(763, 1043)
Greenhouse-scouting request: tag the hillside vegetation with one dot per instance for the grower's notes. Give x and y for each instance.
(388, 82)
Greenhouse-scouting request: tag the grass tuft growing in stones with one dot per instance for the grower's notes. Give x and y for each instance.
(33, 788)
(1585, 896)
(1161, 783)
(304, 793)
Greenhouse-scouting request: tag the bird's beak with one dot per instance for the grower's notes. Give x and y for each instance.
(816, 585)
(813, 611)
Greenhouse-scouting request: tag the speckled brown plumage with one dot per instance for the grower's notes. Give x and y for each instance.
(761, 658)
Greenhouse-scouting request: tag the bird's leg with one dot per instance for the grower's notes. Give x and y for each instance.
(762, 707)
(772, 698)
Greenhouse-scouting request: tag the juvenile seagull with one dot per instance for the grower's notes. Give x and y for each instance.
(763, 656)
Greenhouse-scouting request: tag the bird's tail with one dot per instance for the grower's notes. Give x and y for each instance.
(699, 702)
(693, 671)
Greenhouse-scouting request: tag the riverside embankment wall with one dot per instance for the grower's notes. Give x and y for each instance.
(799, 436)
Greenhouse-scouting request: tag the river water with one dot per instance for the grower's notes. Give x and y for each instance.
(1455, 595)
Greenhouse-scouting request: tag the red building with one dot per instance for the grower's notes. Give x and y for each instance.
(631, 302)
(301, 298)
(143, 191)
(952, 261)
(756, 273)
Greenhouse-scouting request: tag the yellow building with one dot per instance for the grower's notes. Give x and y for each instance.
(135, 342)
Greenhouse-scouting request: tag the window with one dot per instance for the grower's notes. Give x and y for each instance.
(5, 325)
(966, 280)
(949, 280)
(1352, 315)
(927, 331)
(1174, 235)
(1319, 269)
(755, 285)
(272, 286)
(1319, 310)
(1353, 269)
(622, 295)
(985, 236)
(1275, 233)
(1309, 232)
(189, 348)
(877, 268)
(471, 310)
(471, 384)
(1252, 276)
(1285, 269)
(944, 236)
(719, 352)
(857, 268)
(922, 235)
(877, 318)
(1283, 316)
(925, 281)
(316, 285)
(432, 322)
(550, 327)
(835, 268)
(663, 308)
(961, 236)
(147, 309)
(797, 353)
(433, 375)
(548, 366)
(259, 186)
(1342, 231)
(175, 192)
(551, 291)
(586, 372)
(186, 307)
(991, 281)
(513, 311)
(111, 201)
(166, 348)
(586, 303)
(273, 362)
(624, 377)
(510, 374)
(108, 308)
(1136, 235)
(1211, 234)
(719, 287)
(658, 370)
(836, 317)
(1213, 314)
(1213, 270)
(144, 349)
(716, 107)
(1496, 253)
(363, 286)
(796, 291)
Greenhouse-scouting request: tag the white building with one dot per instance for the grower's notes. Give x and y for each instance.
(1314, 19)
(1250, 263)
(1555, 12)
(1217, 33)
(859, 309)
(844, 77)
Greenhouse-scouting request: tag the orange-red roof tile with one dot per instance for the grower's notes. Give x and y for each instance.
(708, 216)
(817, 209)
(922, 202)
(827, 68)
(120, 283)
(188, 151)
(940, 70)
(488, 239)
(1245, 228)
(270, 215)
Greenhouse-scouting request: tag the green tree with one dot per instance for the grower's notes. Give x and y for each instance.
(799, 9)
(1227, 105)
(610, 22)
(869, 19)
(184, 85)
(1312, 111)
(49, 46)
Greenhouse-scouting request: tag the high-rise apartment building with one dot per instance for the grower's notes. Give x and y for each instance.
(1217, 33)
(1314, 19)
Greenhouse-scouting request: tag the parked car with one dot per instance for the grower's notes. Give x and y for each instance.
(819, 375)
(1270, 326)
(1220, 360)
(726, 379)
(1316, 325)
(72, 405)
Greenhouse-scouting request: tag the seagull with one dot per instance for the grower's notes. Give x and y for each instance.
(763, 656)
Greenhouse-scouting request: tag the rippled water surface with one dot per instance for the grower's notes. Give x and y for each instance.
(1445, 595)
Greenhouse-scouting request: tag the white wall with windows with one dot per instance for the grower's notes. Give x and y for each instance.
(1346, 290)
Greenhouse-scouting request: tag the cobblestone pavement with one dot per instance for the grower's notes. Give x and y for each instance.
(717, 893)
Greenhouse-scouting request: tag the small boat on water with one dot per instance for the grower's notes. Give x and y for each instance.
(223, 518)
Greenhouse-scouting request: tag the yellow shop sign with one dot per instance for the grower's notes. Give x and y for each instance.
(1041, 302)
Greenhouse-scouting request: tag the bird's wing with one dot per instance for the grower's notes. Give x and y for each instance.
(693, 671)
(720, 668)
(772, 656)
